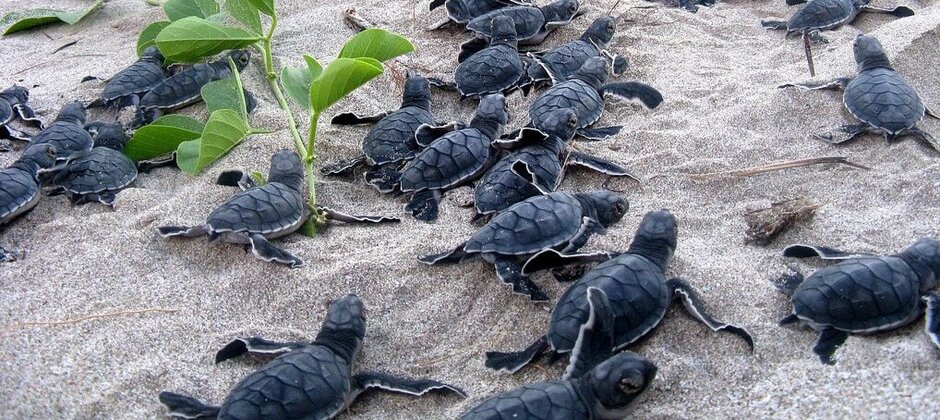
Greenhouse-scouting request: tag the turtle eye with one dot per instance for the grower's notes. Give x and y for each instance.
(629, 386)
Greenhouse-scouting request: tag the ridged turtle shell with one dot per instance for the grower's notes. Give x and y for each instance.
(860, 295)
(269, 209)
(311, 383)
(492, 70)
(501, 188)
(139, 77)
(565, 60)
(576, 94)
(538, 401)
(18, 193)
(529, 21)
(881, 98)
(393, 138)
(822, 14)
(6, 112)
(462, 11)
(638, 295)
(180, 89)
(68, 138)
(530, 226)
(448, 161)
(100, 169)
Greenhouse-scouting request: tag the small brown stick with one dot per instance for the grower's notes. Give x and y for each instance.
(757, 170)
(809, 55)
(355, 21)
(765, 224)
(22, 325)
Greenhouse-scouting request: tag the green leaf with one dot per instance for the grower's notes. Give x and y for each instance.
(258, 177)
(245, 12)
(149, 35)
(192, 38)
(376, 43)
(296, 80)
(264, 6)
(308, 229)
(179, 9)
(18, 21)
(162, 137)
(224, 130)
(226, 94)
(340, 78)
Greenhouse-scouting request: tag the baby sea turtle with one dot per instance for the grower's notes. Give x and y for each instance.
(67, 133)
(608, 391)
(615, 304)
(497, 68)
(13, 105)
(533, 23)
(690, 5)
(19, 184)
(584, 93)
(98, 174)
(455, 158)
(538, 168)
(129, 85)
(878, 97)
(558, 221)
(184, 87)
(310, 380)
(463, 11)
(560, 63)
(819, 15)
(864, 294)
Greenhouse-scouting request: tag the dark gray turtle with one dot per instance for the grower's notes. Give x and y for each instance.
(559, 221)
(454, 159)
(542, 166)
(463, 11)
(67, 133)
(533, 23)
(878, 97)
(19, 185)
(819, 15)
(560, 63)
(865, 294)
(309, 380)
(128, 86)
(584, 93)
(608, 391)
(270, 211)
(690, 5)
(184, 87)
(392, 141)
(13, 105)
(497, 68)
(615, 304)
(98, 174)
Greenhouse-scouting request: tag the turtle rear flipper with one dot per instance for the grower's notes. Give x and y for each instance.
(365, 381)
(843, 134)
(510, 272)
(829, 341)
(897, 11)
(343, 166)
(350, 218)
(424, 205)
(349, 118)
(181, 406)
(824, 252)
(258, 345)
(598, 164)
(600, 133)
(696, 308)
(512, 362)
(266, 251)
(595, 341)
(924, 136)
(642, 93)
(184, 231)
(932, 324)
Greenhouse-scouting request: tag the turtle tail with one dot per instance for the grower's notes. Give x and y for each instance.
(187, 407)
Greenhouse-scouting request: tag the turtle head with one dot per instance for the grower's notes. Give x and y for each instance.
(869, 54)
(593, 71)
(417, 92)
(16, 94)
(656, 238)
(152, 53)
(72, 112)
(110, 135)
(344, 326)
(561, 10)
(601, 32)
(608, 206)
(561, 124)
(616, 384)
(503, 30)
(287, 169)
(37, 158)
(491, 116)
(925, 253)
(241, 58)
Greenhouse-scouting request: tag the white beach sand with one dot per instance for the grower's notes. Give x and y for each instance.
(718, 70)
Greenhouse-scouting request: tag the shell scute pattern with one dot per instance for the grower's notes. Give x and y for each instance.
(67, 137)
(530, 226)
(566, 59)
(269, 208)
(528, 20)
(18, 190)
(501, 185)
(538, 401)
(881, 98)
(821, 14)
(139, 77)
(392, 138)
(447, 161)
(100, 169)
(180, 89)
(491, 70)
(575, 94)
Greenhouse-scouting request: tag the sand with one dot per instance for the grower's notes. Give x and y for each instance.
(718, 70)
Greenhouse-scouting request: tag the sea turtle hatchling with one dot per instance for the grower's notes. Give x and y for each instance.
(128, 86)
(19, 185)
(310, 380)
(67, 133)
(559, 221)
(560, 63)
(498, 68)
(98, 174)
(615, 304)
(878, 97)
(533, 23)
(864, 294)
(609, 391)
(584, 93)
(820, 15)
(463, 11)
(13, 105)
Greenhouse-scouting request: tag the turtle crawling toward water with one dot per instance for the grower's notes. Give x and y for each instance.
(533, 23)
(67, 133)
(13, 105)
(310, 380)
(608, 391)
(864, 294)
(819, 15)
(463, 11)
(129, 85)
(19, 185)
(560, 63)
(98, 174)
(878, 97)
(615, 304)
(488, 67)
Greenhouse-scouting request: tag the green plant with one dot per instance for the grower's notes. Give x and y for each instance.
(22, 20)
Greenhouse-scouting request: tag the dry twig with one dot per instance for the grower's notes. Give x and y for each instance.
(779, 166)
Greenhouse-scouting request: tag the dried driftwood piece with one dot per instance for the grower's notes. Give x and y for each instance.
(763, 225)
(355, 21)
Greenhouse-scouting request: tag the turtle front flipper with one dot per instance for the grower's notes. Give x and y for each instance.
(596, 340)
(349, 118)
(424, 205)
(512, 362)
(525, 136)
(637, 92)
(588, 227)
(824, 252)
(602, 133)
(181, 406)
(510, 272)
(843, 134)
(258, 345)
(442, 85)
(28, 115)
(266, 251)
(932, 324)
(365, 381)
(829, 340)
(598, 164)
(839, 83)
(349, 218)
(696, 308)
(777, 25)
(7, 256)
(455, 255)
(235, 178)
(184, 231)
(897, 11)
(924, 137)
(551, 259)
(383, 178)
(343, 166)
(427, 133)
(521, 169)
(472, 46)
(795, 2)
(7, 132)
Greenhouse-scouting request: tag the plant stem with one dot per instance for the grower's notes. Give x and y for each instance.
(310, 157)
(271, 75)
